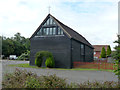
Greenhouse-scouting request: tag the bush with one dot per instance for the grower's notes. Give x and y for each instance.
(24, 79)
(49, 59)
(103, 53)
(108, 51)
(32, 82)
(49, 62)
(97, 84)
(16, 79)
(38, 60)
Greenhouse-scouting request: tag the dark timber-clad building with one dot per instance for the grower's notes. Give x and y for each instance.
(66, 45)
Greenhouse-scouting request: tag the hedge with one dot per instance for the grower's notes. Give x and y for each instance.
(49, 59)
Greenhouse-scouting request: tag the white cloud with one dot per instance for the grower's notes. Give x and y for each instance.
(95, 21)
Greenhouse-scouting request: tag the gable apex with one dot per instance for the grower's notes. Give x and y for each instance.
(44, 21)
(67, 30)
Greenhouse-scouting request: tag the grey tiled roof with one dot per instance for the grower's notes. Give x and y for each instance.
(72, 33)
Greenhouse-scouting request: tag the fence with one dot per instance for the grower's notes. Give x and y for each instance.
(94, 65)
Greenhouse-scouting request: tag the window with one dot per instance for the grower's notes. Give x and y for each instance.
(51, 21)
(54, 31)
(44, 31)
(48, 22)
(49, 28)
(39, 32)
(50, 31)
(45, 24)
(82, 50)
(47, 31)
(60, 32)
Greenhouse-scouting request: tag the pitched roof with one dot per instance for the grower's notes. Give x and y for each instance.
(99, 47)
(70, 32)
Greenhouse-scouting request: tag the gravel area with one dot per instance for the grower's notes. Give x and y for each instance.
(70, 75)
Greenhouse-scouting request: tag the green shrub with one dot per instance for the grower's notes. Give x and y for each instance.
(16, 79)
(51, 81)
(98, 84)
(38, 61)
(24, 79)
(49, 59)
(108, 51)
(49, 62)
(103, 53)
(32, 82)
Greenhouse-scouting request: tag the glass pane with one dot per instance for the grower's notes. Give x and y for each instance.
(82, 49)
(44, 24)
(51, 21)
(50, 31)
(59, 31)
(82, 46)
(47, 31)
(44, 31)
(39, 32)
(54, 31)
(48, 22)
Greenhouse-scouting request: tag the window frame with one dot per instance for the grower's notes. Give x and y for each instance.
(50, 28)
(82, 48)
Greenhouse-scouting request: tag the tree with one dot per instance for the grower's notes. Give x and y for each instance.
(116, 56)
(15, 45)
(7, 47)
(103, 53)
(108, 51)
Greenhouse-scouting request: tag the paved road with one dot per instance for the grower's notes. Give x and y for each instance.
(70, 75)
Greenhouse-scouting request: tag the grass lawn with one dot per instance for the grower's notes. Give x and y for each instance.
(28, 66)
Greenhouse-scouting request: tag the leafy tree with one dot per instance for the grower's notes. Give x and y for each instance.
(15, 45)
(19, 48)
(7, 47)
(116, 56)
(108, 51)
(17, 37)
(103, 53)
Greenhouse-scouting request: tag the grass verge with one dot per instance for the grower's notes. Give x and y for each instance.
(28, 66)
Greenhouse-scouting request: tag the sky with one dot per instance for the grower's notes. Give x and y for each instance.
(96, 20)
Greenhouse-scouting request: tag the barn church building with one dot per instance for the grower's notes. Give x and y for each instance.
(66, 45)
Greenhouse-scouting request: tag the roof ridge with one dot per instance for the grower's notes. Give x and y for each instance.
(69, 28)
(69, 31)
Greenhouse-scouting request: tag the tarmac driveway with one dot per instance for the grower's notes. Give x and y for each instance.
(70, 75)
